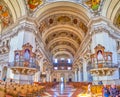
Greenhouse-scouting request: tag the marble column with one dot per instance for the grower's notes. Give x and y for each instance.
(85, 75)
(48, 76)
(75, 76)
(79, 75)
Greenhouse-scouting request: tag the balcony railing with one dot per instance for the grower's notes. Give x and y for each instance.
(104, 65)
(21, 64)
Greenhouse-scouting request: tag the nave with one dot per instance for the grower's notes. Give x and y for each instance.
(66, 90)
(60, 90)
(54, 89)
(44, 90)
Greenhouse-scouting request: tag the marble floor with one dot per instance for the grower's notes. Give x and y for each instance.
(60, 90)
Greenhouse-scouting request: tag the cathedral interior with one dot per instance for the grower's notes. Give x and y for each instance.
(56, 48)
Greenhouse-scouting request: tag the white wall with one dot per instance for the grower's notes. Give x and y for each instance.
(108, 42)
(16, 43)
(110, 45)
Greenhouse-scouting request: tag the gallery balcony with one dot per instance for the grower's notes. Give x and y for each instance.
(25, 68)
(105, 69)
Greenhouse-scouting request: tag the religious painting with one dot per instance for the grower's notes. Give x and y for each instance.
(5, 16)
(34, 3)
(94, 4)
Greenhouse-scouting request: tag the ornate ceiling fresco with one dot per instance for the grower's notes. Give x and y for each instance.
(5, 15)
(93, 4)
(33, 4)
(63, 34)
(62, 24)
(64, 56)
(62, 19)
(63, 39)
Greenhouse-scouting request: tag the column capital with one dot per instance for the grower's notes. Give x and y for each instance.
(27, 26)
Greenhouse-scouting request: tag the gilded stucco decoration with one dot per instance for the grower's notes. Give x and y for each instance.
(43, 26)
(69, 34)
(33, 4)
(5, 15)
(62, 43)
(117, 20)
(63, 49)
(63, 19)
(83, 27)
(63, 55)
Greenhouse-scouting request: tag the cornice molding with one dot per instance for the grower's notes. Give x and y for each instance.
(24, 23)
(100, 24)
